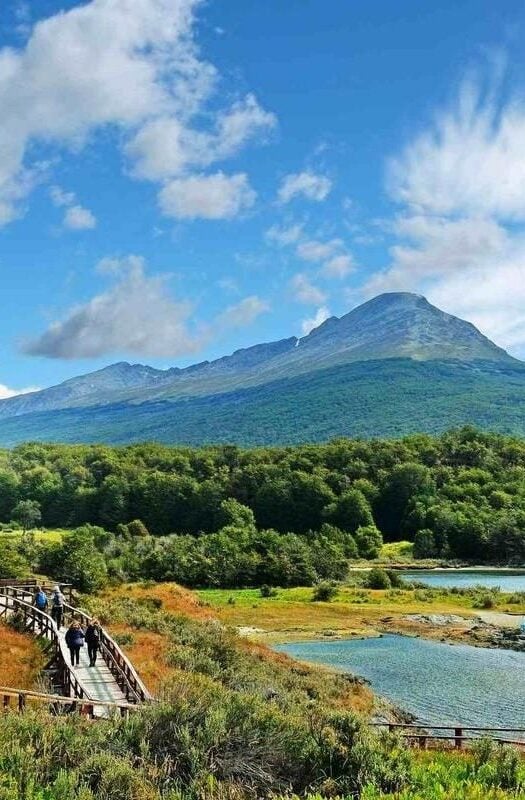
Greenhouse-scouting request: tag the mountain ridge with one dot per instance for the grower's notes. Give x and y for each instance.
(389, 326)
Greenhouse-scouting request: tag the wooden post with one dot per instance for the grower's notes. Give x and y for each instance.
(7, 701)
(458, 733)
(21, 701)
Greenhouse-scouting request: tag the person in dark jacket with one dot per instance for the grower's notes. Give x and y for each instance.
(93, 636)
(75, 640)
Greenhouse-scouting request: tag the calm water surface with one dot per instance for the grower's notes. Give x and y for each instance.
(508, 581)
(436, 682)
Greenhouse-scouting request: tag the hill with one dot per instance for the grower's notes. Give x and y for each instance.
(394, 365)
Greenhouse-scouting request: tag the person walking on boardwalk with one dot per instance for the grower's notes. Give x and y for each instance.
(75, 640)
(40, 600)
(57, 606)
(93, 636)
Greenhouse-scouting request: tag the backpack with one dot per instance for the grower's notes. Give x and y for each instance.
(41, 600)
(58, 600)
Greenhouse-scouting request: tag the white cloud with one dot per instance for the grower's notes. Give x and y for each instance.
(6, 391)
(130, 65)
(78, 218)
(458, 237)
(305, 292)
(283, 236)
(339, 266)
(243, 313)
(312, 250)
(308, 325)
(307, 184)
(470, 162)
(217, 196)
(135, 315)
(166, 147)
(61, 198)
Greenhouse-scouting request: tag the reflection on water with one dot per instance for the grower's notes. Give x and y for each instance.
(436, 682)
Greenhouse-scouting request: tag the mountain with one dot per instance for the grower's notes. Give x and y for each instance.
(390, 366)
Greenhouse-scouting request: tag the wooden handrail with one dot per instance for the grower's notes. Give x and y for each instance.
(422, 733)
(119, 665)
(85, 708)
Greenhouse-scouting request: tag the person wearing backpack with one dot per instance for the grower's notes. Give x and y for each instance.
(57, 606)
(93, 636)
(40, 600)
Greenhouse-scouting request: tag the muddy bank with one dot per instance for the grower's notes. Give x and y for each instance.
(456, 628)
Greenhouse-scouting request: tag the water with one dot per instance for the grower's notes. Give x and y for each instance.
(508, 581)
(436, 682)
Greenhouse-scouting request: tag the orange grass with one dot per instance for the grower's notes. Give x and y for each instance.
(148, 650)
(21, 659)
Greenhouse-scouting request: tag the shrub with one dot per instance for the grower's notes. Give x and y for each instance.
(324, 592)
(268, 591)
(378, 579)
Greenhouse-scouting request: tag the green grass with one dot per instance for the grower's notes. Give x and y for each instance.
(396, 551)
(292, 614)
(47, 536)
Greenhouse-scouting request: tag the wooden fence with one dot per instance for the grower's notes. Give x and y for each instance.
(423, 736)
(20, 700)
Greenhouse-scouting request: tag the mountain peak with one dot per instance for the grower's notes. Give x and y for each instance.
(392, 325)
(402, 325)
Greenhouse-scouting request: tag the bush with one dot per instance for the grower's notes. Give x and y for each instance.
(324, 592)
(378, 579)
(268, 591)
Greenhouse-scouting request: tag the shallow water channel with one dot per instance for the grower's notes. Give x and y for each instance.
(438, 683)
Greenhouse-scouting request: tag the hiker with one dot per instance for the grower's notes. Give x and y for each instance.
(75, 640)
(40, 600)
(93, 636)
(57, 606)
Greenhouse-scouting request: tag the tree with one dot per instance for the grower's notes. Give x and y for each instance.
(27, 513)
(350, 511)
(137, 528)
(78, 560)
(369, 541)
(425, 544)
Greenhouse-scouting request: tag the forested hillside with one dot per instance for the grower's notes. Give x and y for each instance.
(225, 516)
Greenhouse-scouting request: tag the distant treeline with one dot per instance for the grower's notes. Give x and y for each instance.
(458, 495)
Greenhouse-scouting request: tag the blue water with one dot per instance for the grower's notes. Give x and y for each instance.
(508, 581)
(436, 682)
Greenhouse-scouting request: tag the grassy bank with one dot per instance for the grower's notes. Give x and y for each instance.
(354, 611)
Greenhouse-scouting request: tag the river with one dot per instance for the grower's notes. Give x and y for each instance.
(438, 683)
(507, 580)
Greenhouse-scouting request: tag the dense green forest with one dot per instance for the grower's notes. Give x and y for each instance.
(383, 398)
(222, 516)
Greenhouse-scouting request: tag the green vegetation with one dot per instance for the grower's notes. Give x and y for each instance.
(227, 517)
(234, 721)
(387, 398)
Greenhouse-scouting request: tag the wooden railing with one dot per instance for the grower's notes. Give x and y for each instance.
(20, 700)
(19, 598)
(428, 735)
(40, 624)
(119, 665)
(30, 585)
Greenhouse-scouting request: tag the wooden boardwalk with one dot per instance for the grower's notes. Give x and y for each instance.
(98, 681)
(112, 680)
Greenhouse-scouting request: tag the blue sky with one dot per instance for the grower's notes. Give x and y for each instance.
(181, 178)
